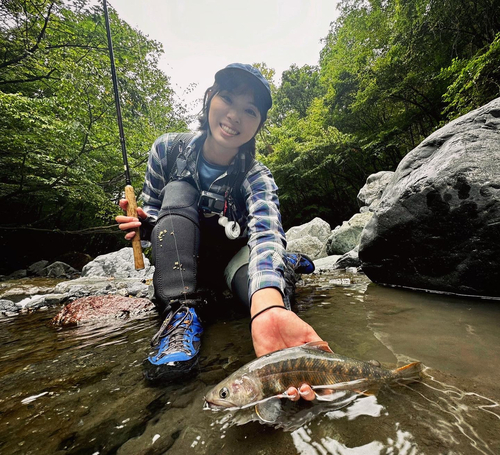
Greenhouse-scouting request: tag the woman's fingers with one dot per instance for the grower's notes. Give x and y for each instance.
(130, 235)
(293, 394)
(306, 392)
(127, 222)
(123, 204)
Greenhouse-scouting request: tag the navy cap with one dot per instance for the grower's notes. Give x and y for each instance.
(249, 69)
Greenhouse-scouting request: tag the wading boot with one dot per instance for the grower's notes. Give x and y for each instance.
(176, 346)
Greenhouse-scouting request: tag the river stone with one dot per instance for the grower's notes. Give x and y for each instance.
(369, 196)
(7, 307)
(119, 264)
(438, 223)
(102, 308)
(346, 237)
(309, 245)
(309, 238)
(37, 267)
(60, 269)
(350, 259)
(315, 228)
(18, 274)
(325, 264)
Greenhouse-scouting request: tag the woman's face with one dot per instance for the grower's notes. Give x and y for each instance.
(233, 119)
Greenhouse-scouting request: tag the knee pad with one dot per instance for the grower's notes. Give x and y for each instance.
(175, 242)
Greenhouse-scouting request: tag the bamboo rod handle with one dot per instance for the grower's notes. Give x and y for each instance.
(136, 241)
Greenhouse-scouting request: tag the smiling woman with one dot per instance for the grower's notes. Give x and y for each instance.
(214, 220)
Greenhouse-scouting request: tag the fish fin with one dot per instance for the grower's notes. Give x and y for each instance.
(320, 345)
(375, 363)
(410, 372)
(373, 390)
(269, 411)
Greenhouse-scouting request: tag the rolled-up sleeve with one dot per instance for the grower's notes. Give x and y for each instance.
(266, 240)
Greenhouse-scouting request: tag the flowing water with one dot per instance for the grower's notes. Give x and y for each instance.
(80, 390)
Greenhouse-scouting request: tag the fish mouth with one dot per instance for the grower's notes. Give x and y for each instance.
(217, 406)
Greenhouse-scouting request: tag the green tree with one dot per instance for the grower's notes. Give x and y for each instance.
(60, 148)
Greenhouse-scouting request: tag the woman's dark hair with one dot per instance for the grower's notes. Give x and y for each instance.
(240, 83)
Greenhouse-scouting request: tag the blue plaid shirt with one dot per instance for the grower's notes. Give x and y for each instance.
(261, 218)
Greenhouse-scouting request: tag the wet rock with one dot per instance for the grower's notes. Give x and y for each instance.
(369, 196)
(437, 225)
(119, 264)
(75, 259)
(346, 237)
(7, 307)
(19, 290)
(309, 245)
(36, 302)
(309, 238)
(18, 274)
(102, 308)
(83, 287)
(37, 268)
(350, 259)
(326, 264)
(60, 270)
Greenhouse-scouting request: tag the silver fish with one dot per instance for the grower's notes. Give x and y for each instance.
(262, 381)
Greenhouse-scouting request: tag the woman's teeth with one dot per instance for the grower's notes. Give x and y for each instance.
(228, 130)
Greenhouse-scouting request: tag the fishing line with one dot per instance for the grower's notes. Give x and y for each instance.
(152, 122)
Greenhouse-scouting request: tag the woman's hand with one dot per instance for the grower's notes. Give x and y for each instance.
(277, 329)
(129, 222)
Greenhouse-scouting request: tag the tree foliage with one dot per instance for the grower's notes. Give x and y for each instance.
(60, 148)
(390, 73)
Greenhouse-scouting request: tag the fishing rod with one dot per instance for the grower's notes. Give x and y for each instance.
(129, 190)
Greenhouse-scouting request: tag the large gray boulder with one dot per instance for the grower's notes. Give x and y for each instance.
(118, 264)
(437, 226)
(346, 237)
(369, 196)
(309, 238)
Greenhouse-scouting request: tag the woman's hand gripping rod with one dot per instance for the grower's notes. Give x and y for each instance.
(129, 190)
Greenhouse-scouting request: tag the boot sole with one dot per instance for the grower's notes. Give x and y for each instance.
(169, 373)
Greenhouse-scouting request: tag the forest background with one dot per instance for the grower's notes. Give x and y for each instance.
(389, 74)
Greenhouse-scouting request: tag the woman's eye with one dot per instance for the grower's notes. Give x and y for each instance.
(226, 98)
(251, 112)
(224, 392)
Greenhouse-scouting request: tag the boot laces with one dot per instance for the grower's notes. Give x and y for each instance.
(176, 330)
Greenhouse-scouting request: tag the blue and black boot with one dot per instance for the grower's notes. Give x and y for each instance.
(300, 263)
(176, 346)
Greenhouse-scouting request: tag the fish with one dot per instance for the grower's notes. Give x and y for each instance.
(262, 382)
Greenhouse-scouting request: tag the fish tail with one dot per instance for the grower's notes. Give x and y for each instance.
(408, 373)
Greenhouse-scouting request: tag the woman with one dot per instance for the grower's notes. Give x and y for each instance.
(215, 212)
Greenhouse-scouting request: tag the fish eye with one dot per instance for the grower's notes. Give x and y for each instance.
(224, 392)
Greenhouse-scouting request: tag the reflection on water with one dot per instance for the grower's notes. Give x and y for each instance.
(81, 390)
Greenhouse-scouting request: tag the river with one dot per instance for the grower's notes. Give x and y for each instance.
(81, 391)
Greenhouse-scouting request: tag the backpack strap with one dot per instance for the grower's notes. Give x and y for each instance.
(174, 149)
(236, 187)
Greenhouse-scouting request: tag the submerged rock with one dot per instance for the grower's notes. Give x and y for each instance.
(102, 308)
(438, 223)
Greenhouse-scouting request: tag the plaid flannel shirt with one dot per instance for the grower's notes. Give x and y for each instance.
(262, 218)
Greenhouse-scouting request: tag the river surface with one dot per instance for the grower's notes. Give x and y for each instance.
(81, 390)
